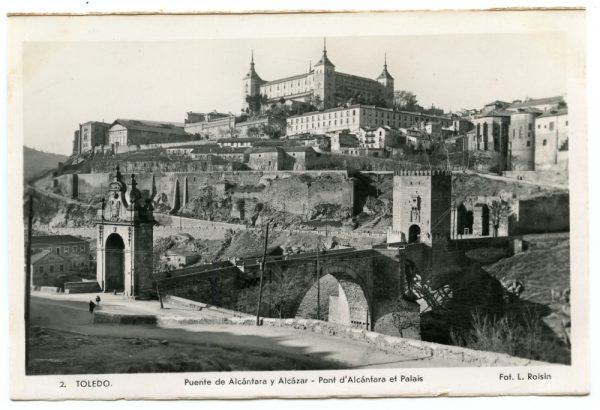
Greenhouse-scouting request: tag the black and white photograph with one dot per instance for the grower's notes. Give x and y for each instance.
(354, 208)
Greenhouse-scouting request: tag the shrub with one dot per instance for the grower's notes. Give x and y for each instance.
(519, 333)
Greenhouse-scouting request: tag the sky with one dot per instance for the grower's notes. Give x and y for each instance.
(65, 84)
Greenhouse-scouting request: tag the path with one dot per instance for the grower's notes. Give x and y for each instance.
(69, 312)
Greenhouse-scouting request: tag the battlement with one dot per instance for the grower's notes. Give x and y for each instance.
(422, 172)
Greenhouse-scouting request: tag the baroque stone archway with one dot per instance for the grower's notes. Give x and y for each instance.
(114, 259)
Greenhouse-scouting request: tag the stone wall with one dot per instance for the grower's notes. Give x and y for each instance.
(296, 192)
(542, 214)
(550, 177)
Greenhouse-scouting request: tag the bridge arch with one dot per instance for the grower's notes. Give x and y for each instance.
(344, 298)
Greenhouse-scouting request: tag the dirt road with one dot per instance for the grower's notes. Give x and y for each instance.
(73, 316)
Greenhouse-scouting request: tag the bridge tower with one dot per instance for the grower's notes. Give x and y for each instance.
(422, 207)
(124, 239)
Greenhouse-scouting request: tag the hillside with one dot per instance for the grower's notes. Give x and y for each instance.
(37, 162)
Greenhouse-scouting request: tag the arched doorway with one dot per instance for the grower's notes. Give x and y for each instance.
(342, 301)
(414, 234)
(464, 223)
(485, 220)
(114, 260)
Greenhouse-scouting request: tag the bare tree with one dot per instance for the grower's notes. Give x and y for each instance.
(499, 211)
(280, 291)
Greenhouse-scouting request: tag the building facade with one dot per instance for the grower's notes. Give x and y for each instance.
(552, 140)
(266, 159)
(74, 249)
(92, 134)
(138, 132)
(47, 268)
(491, 131)
(521, 145)
(321, 85)
(212, 125)
(358, 116)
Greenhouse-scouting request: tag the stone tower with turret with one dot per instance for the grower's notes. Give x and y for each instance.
(124, 228)
(422, 207)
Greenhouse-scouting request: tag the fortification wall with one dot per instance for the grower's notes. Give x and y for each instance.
(551, 177)
(542, 214)
(297, 192)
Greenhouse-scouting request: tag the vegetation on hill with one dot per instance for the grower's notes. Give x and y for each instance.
(37, 162)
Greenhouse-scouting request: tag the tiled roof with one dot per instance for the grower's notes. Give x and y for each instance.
(152, 126)
(290, 78)
(36, 257)
(495, 113)
(181, 252)
(297, 149)
(260, 150)
(324, 60)
(555, 113)
(225, 140)
(55, 239)
(538, 101)
(205, 149)
(385, 74)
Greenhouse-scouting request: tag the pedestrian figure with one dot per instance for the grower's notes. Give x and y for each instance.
(92, 306)
(98, 300)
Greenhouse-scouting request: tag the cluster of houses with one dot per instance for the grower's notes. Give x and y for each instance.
(529, 135)
(56, 258)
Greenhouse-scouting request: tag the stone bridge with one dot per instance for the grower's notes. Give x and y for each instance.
(360, 288)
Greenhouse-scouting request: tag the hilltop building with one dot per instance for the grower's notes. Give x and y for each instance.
(521, 145)
(89, 135)
(124, 132)
(542, 104)
(355, 117)
(552, 140)
(321, 85)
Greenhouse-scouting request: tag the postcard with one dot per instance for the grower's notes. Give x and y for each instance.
(298, 205)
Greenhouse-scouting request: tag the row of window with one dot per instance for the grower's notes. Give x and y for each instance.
(51, 268)
(66, 249)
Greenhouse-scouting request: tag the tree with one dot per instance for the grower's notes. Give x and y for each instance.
(277, 121)
(406, 100)
(253, 132)
(318, 102)
(499, 210)
(280, 291)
